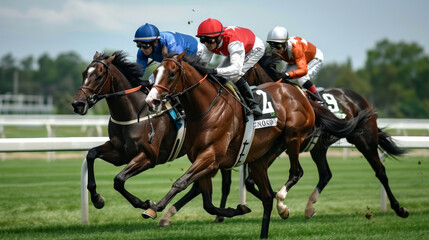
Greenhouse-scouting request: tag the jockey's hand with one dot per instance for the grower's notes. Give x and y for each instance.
(286, 75)
(204, 70)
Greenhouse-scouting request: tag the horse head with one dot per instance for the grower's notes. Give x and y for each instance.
(96, 80)
(167, 80)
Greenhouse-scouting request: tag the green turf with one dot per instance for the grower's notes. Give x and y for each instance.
(41, 200)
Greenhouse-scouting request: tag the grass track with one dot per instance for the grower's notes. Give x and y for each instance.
(41, 200)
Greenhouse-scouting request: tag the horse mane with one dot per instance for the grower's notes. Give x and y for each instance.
(132, 71)
(268, 63)
(191, 59)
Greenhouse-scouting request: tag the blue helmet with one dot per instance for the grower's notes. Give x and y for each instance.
(146, 33)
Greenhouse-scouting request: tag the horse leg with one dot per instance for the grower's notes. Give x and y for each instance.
(318, 155)
(250, 187)
(109, 154)
(367, 145)
(195, 191)
(250, 184)
(137, 165)
(204, 164)
(295, 173)
(205, 184)
(226, 187)
(165, 219)
(260, 177)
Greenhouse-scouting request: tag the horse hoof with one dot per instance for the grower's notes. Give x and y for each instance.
(98, 202)
(403, 212)
(219, 219)
(285, 213)
(310, 212)
(164, 223)
(149, 213)
(243, 209)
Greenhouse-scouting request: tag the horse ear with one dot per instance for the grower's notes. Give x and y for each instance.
(96, 55)
(180, 57)
(110, 59)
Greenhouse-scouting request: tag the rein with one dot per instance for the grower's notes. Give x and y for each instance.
(184, 78)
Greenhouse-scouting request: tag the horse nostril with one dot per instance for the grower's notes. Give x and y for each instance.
(78, 104)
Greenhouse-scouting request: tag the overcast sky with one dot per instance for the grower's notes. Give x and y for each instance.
(340, 28)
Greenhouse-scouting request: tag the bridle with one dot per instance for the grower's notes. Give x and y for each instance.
(96, 96)
(184, 79)
(172, 94)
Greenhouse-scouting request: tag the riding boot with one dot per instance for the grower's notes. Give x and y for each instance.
(247, 94)
(320, 99)
(310, 87)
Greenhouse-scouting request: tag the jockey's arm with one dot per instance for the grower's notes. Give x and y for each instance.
(204, 54)
(300, 62)
(237, 54)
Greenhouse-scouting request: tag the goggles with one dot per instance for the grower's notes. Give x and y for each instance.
(209, 40)
(275, 45)
(144, 45)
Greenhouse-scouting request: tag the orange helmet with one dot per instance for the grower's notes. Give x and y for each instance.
(210, 28)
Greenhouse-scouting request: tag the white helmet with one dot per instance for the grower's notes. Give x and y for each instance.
(277, 34)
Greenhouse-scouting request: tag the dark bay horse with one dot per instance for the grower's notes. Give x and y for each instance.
(367, 138)
(114, 78)
(215, 131)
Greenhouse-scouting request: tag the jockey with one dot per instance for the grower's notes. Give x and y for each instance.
(155, 45)
(303, 59)
(242, 50)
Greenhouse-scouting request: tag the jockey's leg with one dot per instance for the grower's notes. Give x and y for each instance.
(313, 67)
(312, 88)
(245, 91)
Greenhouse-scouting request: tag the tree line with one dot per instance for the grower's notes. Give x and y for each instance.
(394, 79)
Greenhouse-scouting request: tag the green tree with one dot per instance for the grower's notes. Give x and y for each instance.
(350, 79)
(342, 76)
(7, 71)
(328, 75)
(27, 85)
(396, 71)
(45, 76)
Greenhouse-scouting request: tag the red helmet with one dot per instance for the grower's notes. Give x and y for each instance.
(210, 28)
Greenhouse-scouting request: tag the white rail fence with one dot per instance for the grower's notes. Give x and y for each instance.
(402, 125)
(50, 122)
(86, 143)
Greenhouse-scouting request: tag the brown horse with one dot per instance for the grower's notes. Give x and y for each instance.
(367, 138)
(254, 76)
(215, 130)
(117, 80)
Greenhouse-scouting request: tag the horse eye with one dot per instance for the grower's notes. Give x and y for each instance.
(99, 77)
(172, 75)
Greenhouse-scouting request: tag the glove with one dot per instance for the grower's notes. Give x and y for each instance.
(204, 70)
(286, 76)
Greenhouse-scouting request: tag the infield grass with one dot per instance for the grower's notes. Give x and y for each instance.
(41, 200)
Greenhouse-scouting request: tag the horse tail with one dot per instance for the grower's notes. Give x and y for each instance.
(387, 144)
(335, 126)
